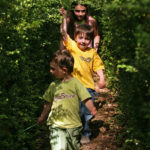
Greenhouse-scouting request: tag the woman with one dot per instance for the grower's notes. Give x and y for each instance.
(79, 15)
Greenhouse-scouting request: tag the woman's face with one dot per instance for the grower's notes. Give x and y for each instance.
(80, 12)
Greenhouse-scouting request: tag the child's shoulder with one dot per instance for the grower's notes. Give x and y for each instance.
(75, 80)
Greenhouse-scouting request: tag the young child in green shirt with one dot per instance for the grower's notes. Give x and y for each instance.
(62, 104)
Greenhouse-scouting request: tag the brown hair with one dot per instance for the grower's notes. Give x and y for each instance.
(84, 28)
(73, 18)
(63, 58)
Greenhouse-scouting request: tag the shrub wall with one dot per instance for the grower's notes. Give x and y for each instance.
(29, 34)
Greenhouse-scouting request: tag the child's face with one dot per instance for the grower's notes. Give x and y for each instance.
(56, 71)
(80, 12)
(82, 40)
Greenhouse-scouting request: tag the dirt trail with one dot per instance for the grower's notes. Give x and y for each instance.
(103, 127)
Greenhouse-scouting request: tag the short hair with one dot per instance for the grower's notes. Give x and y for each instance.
(63, 58)
(84, 28)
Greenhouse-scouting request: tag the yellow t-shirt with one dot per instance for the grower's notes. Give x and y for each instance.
(65, 97)
(85, 62)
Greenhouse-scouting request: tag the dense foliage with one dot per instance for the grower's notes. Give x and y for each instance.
(126, 50)
(29, 34)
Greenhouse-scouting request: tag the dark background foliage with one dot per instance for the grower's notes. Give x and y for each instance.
(125, 49)
(29, 34)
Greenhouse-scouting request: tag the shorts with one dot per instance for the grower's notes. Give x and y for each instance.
(65, 139)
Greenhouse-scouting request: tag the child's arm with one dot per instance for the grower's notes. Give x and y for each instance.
(45, 113)
(102, 81)
(89, 104)
(63, 28)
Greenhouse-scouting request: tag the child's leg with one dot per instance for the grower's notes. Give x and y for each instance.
(86, 116)
(65, 139)
(57, 138)
(73, 138)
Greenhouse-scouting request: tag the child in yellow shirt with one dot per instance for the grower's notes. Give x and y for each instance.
(86, 61)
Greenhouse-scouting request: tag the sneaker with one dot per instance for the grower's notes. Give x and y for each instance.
(84, 140)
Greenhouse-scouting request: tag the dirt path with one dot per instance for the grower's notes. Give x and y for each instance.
(103, 127)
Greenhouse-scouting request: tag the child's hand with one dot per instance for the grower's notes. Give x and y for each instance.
(63, 12)
(102, 84)
(94, 111)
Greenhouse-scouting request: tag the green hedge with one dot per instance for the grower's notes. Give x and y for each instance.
(125, 49)
(29, 34)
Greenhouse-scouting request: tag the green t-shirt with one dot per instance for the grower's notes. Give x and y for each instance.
(65, 97)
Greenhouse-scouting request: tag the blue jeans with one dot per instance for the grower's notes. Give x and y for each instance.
(85, 115)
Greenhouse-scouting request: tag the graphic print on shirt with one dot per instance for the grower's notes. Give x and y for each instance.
(64, 96)
(85, 59)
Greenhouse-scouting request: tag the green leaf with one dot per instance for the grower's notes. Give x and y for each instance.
(66, 4)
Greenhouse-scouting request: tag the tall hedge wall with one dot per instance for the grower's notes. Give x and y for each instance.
(126, 51)
(29, 34)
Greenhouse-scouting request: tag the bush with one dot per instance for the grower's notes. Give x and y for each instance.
(29, 35)
(125, 45)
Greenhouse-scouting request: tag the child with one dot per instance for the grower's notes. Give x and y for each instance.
(62, 98)
(79, 15)
(86, 61)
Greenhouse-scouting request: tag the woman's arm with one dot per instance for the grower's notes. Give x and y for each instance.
(96, 34)
(96, 42)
